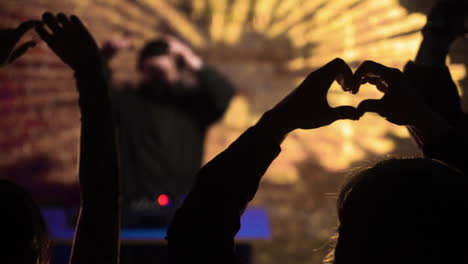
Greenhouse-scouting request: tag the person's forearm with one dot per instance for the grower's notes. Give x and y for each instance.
(97, 235)
(449, 148)
(212, 210)
(98, 228)
(428, 128)
(98, 163)
(438, 90)
(439, 140)
(433, 51)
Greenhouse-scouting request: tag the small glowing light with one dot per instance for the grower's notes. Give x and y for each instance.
(163, 200)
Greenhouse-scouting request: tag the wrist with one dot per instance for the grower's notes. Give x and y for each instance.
(92, 71)
(444, 31)
(274, 126)
(429, 127)
(89, 64)
(433, 50)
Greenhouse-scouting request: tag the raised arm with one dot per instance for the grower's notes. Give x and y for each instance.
(204, 228)
(97, 232)
(402, 105)
(429, 73)
(9, 38)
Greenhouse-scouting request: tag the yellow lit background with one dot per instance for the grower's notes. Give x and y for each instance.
(266, 47)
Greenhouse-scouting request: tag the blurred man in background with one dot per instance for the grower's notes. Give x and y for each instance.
(163, 120)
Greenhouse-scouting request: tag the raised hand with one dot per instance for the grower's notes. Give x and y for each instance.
(400, 104)
(182, 50)
(9, 38)
(70, 40)
(98, 162)
(307, 106)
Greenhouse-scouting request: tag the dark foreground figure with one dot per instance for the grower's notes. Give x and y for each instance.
(24, 236)
(399, 211)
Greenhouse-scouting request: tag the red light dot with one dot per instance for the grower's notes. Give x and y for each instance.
(163, 200)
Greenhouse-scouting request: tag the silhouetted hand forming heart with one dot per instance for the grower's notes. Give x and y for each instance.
(9, 37)
(307, 106)
(70, 40)
(400, 104)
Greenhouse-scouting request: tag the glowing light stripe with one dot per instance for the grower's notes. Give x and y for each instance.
(333, 8)
(137, 14)
(392, 28)
(263, 14)
(218, 19)
(294, 17)
(108, 16)
(389, 51)
(177, 20)
(199, 7)
(285, 7)
(239, 14)
(363, 22)
(300, 34)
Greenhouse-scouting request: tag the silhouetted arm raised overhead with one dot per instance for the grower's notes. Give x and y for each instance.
(403, 105)
(204, 228)
(97, 233)
(438, 90)
(433, 82)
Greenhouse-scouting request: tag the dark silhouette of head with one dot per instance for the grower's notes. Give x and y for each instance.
(24, 237)
(158, 64)
(403, 211)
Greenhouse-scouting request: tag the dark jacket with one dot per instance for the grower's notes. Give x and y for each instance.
(161, 136)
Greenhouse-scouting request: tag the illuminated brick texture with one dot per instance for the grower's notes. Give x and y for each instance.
(266, 47)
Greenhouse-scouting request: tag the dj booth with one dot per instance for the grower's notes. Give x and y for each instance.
(137, 242)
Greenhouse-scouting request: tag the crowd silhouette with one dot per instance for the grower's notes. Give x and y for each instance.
(405, 210)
